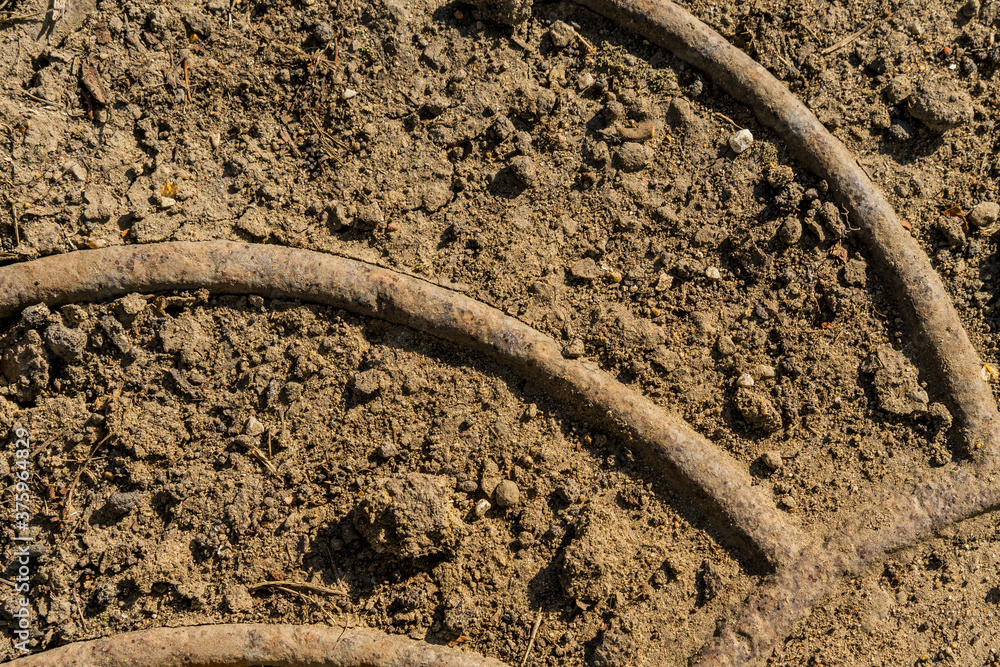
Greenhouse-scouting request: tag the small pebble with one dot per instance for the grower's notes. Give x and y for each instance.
(584, 81)
(482, 507)
(741, 141)
(523, 169)
(253, 427)
(713, 274)
(984, 214)
(387, 450)
(745, 380)
(507, 494)
(764, 371)
(790, 231)
(77, 171)
(772, 460)
(585, 269)
(631, 157)
(349, 93)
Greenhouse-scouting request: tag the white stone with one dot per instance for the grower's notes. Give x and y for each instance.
(253, 427)
(741, 141)
(745, 380)
(482, 507)
(764, 371)
(713, 273)
(348, 93)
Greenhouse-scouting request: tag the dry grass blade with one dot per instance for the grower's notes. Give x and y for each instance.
(296, 584)
(847, 40)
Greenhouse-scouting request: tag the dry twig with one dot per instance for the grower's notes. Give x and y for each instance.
(847, 40)
(68, 505)
(297, 584)
(532, 638)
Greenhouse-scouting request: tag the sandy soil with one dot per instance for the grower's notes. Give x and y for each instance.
(187, 447)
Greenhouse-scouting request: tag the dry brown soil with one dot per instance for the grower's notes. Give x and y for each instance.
(188, 448)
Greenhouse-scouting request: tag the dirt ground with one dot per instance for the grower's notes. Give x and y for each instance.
(188, 448)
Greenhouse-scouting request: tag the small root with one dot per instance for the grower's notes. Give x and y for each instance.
(244, 645)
